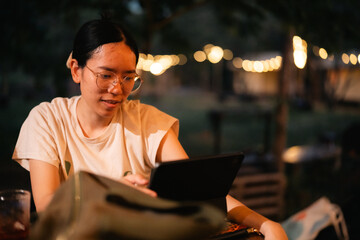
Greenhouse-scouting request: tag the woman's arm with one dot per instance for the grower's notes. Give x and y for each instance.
(170, 148)
(45, 180)
(239, 213)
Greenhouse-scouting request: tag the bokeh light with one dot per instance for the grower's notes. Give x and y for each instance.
(158, 64)
(237, 62)
(258, 66)
(300, 52)
(207, 48)
(345, 58)
(353, 59)
(182, 59)
(228, 54)
(200, 56)
(247, 66)
(323, 53)
(156, 68)
(215, 55)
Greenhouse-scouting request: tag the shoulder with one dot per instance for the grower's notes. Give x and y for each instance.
(57, 107)
(135, 106)
(147, 114)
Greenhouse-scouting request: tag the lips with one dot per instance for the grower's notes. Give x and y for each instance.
(111, 103)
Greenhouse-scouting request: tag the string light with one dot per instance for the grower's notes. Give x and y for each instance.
(237, 62)
(216, 54)
(353, 59)
(156, 68)
(228, 54)
(158, 64)
(323, 53)
(300, 52)
(200, 56)
(345, 58)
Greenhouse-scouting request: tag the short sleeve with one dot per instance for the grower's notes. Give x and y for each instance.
(155, 125)
(36, 138)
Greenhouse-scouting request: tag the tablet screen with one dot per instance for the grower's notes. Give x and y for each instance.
(201, 178)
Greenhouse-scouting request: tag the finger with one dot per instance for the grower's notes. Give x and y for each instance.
(147, 191)
(136, 179)
(138, 187)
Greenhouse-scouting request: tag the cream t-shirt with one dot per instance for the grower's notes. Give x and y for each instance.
(51, 133)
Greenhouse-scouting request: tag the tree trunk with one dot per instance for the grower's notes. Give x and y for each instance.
(287, 74)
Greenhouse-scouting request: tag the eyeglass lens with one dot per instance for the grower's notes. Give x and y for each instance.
(108, 80)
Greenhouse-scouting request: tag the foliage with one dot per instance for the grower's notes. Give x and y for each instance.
(331, 24)
(37, 35)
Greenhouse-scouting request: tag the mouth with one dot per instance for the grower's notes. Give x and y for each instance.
(111, 103)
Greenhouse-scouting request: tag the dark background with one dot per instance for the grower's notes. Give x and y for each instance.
(37, 39)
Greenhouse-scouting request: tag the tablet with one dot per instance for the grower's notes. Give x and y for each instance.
(207, 178)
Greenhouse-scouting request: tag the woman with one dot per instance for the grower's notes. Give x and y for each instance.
(101, 131)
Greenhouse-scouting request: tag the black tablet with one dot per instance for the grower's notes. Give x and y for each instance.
(207, 178)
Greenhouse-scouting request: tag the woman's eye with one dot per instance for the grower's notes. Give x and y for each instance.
(128, 78)
(106, 76)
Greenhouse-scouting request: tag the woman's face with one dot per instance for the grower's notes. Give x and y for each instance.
(117, 58)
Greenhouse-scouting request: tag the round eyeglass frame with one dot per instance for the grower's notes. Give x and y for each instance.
(137, 80)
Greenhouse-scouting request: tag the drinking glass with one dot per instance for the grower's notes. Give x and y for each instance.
(14, 214)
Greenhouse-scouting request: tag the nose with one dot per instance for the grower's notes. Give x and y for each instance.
(116, 89)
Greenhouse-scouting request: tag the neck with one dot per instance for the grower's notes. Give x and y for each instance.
(92, 125)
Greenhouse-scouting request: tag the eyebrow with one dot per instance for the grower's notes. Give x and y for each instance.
(114, 71)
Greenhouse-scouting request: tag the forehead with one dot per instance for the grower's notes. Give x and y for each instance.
(114, 55)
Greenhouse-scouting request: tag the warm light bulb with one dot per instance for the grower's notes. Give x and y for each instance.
(353, 59)
(156, 68)
(215, 55)
(228, 54)
(199, 56)
(345, 58)
(300, 59)
(258, 66)
(237, 62)
(323, 53)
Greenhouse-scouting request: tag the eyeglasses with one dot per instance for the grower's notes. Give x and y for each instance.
(107, 79)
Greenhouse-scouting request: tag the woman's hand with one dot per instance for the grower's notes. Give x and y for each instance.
(139, 182)
(273, 231)
(239, 213)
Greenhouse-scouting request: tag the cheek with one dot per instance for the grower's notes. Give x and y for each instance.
(127, 89)
(89, 88)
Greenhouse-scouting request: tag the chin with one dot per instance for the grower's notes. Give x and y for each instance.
(109, 113)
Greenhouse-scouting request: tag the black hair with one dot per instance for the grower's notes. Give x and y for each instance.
(95, 33)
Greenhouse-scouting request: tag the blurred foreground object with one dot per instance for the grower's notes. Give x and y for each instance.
(14, 214)
(88, 206)
(307, 224)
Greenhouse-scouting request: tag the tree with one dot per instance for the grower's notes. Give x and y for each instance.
(331, 24)
(38, 39)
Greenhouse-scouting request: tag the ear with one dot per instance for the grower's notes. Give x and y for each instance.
(76, 71)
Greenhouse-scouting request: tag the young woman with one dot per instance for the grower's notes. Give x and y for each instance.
(103, 132)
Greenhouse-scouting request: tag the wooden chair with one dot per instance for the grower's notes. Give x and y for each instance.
(261, 192)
